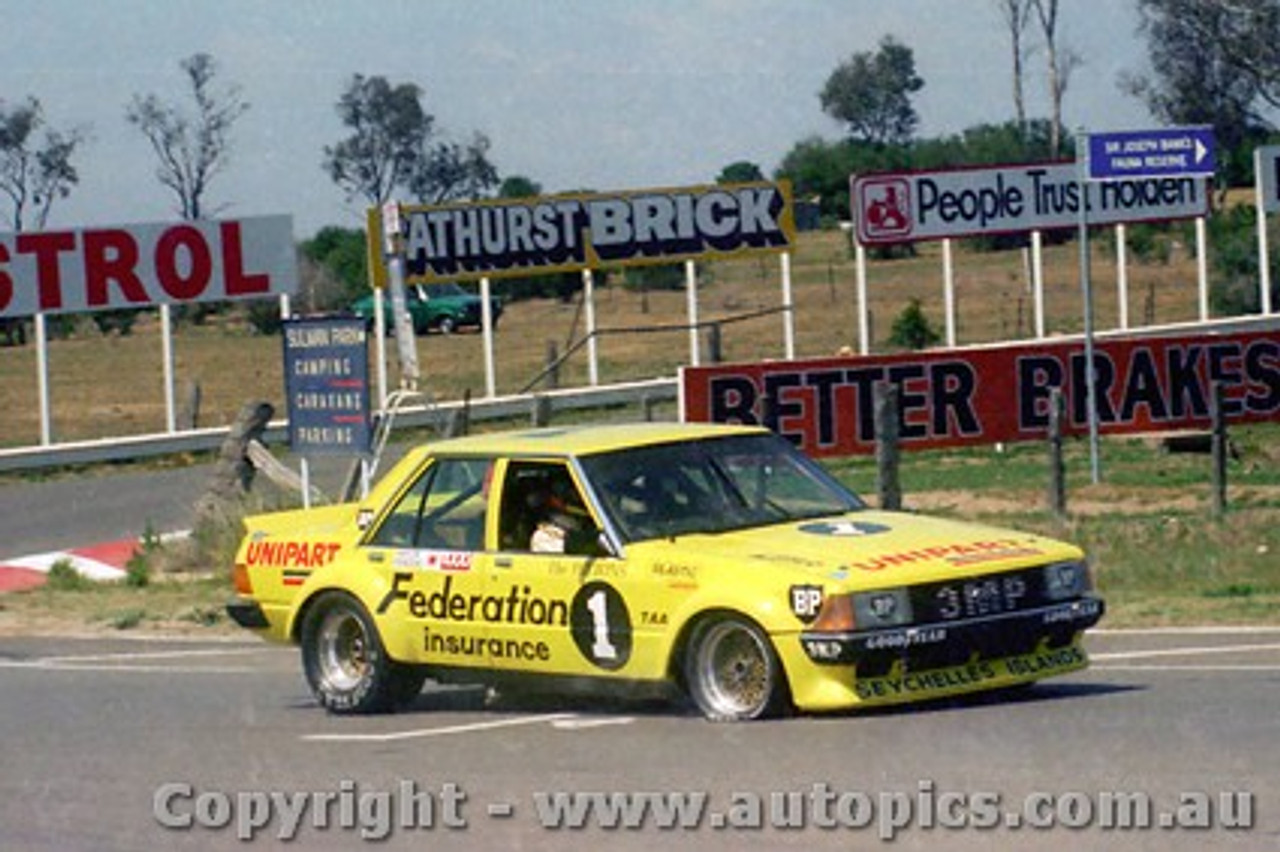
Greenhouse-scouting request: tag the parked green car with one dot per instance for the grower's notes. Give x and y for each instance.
(442, 307)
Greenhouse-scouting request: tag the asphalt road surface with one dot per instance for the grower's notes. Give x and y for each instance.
(112, 744)
(37, 516)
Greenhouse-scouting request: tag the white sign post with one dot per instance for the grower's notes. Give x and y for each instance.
(1266, 170)
(1169, 153)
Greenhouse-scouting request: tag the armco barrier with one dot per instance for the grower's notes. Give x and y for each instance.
(199, 440)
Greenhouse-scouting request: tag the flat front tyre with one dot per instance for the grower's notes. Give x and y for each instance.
(345, 663)
(732, 673)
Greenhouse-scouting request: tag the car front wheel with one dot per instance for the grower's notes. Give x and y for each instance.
(448, 325)
(732, 673)
(346, 665)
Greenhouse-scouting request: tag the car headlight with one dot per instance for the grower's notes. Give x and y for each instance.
(1064, 580)
(881, 608)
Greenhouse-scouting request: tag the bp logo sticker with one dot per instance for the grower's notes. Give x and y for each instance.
(844, 528)
(806, 601)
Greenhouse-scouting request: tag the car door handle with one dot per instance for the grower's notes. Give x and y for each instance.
(502, 562)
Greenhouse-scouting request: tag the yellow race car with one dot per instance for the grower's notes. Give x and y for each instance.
(715, 560)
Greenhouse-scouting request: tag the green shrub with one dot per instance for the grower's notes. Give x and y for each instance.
(64, 577)
(911, 329)
(126, 619)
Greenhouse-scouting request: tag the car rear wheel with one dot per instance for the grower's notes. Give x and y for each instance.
(346, 665)
(448, 325)
(732, 673)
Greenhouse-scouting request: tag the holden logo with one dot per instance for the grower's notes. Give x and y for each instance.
(885, 205)
(843, 528)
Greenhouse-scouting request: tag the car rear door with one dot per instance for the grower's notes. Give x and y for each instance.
(431, 547)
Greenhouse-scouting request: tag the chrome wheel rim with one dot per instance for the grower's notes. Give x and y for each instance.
(735, 670)
(343, 646)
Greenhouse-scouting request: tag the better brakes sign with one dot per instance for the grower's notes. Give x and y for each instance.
(1166, 152)
(912, 206)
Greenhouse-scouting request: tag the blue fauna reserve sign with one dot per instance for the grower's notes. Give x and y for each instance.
(326, 370)
(1166, 152)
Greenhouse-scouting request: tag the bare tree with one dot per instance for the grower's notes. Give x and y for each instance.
(34, 176)
(1016, 13)
(192, 150)
(1060, 61)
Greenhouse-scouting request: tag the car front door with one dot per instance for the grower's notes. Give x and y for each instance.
(558, 597)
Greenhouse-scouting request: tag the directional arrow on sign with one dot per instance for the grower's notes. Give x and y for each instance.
(1144, 154)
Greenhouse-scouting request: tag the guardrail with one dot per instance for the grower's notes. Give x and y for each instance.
(200, 440)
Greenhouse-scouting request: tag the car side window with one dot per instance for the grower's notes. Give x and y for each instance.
(542, 511)
(445, 509)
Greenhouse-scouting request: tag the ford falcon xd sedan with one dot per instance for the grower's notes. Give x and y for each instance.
(712, 561)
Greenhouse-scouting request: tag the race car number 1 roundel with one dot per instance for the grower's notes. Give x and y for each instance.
(601, 625)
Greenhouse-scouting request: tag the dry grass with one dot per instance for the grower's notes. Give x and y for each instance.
(108, 386)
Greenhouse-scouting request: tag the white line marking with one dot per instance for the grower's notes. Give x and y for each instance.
(578, 723)
(1191, 667)
(145, 655)
(1207, 630)
(90, 667)
(437, 732)
(1184, 652)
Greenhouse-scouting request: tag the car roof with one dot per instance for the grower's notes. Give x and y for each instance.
(583, 440)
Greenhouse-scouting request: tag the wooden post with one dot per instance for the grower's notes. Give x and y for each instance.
(189, 417)
(886, 417)
(1057, 469)
(1218, 450)
(232, 476)
(459, 421)
(553, 366)
(714, 350)
(649, 405)
(540, 411)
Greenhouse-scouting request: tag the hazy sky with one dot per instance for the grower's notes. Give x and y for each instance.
(602, 94)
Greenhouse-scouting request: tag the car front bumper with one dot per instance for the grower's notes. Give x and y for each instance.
(935, 645)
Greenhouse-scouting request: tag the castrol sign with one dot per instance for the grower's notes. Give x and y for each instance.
(913, 206)
(141, 265)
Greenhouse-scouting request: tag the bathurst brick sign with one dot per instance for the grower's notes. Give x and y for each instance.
(563, 233)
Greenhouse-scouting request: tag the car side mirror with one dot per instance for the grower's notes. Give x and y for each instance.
(587, 542)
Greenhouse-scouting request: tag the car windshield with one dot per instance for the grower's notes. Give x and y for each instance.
(712, 485)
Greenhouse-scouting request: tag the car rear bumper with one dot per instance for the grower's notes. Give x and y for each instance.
(247, 614)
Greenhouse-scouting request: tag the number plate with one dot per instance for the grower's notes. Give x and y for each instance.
(983, 596)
